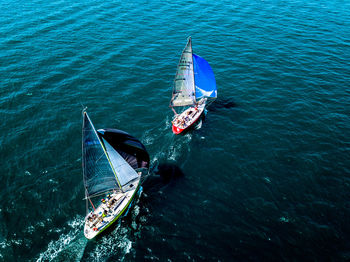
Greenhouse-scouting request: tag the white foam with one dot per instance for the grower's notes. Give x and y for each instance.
(30, 229)
(4, 244)
(143, 219)
(134, 225)
(172, 154)
(135, 211)
(114, 243)
(66, 242)
(284, 219)
(147, 139)
(199, 125)
(267, 179)
(167, 123)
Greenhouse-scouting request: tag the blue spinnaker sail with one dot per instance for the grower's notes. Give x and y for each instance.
(204, 78)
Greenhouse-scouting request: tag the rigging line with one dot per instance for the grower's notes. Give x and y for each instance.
(99, 158)
(87, 197)
(92, 204)
(87, 204)
(84, 107)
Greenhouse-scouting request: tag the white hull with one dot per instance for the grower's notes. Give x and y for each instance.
(109, 211)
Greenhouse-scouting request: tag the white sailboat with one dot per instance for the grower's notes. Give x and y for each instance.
(194, 88)
(113, 163)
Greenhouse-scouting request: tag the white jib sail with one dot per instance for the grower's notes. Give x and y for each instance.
(124, 172)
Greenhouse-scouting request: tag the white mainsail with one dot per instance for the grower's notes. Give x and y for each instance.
(98, 174)
(184, 87)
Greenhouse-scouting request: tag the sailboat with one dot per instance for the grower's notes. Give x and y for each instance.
(194, 88)
(113, 164)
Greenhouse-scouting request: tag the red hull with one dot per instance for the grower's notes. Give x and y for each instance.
(178, 130)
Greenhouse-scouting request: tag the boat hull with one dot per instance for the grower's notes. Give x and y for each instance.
(184, 121)
(94, 227)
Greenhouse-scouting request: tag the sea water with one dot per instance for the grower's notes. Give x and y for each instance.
(265, 178)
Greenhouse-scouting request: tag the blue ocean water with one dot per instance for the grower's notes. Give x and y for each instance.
(266, 177)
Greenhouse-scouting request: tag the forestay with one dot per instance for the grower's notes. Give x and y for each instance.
(204, 78)
(124, 172)
(183, 91)
(97, 172)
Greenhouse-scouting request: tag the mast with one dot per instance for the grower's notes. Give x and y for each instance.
(194, 82)
(82, 162)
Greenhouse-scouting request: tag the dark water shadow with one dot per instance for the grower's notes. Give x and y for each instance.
(162, 175)
(222, 103)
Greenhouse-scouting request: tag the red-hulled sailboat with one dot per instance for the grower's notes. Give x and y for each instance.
(194, 88)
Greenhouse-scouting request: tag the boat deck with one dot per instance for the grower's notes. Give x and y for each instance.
(110, 209)
(187, 118)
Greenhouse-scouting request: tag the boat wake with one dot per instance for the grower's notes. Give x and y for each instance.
(69, 246)
(117, 244)
(171, 149)
(163, 167)
(199, 125)
(73, 246)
